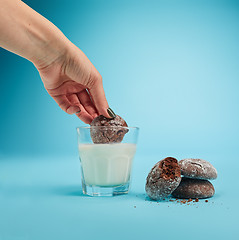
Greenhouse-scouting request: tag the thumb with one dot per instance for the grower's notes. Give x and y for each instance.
(98, 97)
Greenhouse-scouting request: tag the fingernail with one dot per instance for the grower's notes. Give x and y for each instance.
(77, 110)
(111, 113)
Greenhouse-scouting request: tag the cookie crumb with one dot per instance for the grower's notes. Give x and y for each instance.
(206, 200)
(196, 200)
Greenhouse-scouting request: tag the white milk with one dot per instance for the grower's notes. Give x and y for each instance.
(106, 164)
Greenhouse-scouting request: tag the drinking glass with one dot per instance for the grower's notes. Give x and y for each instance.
(106, 167)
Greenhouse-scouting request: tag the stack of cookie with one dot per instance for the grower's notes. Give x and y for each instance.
(195, 181)
(188, 178)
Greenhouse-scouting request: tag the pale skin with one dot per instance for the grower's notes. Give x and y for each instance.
(67, 74)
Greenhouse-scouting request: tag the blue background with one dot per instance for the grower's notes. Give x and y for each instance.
(170, 68)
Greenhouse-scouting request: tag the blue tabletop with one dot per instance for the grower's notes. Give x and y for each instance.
(42, 199)
(168, 67)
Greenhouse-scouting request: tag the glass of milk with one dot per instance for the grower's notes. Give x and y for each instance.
(106, 167)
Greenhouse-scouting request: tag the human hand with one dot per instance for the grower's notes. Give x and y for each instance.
(68, 75)
(75, 84)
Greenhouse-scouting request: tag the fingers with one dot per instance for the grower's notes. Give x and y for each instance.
(71, 105)
(85, 117)
(87, 103)
(81, 70)
(98, 96)
(82, 113)
(65, 104)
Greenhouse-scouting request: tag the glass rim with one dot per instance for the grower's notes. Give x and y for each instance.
(108, 127)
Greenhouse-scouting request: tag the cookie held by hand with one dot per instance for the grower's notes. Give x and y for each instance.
(108, 130)
(163, 178)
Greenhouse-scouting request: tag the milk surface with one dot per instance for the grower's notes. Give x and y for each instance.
(106, 164)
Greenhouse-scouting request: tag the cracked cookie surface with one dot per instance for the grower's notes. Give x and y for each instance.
(163, 178)
(108, 130)
(197, 168)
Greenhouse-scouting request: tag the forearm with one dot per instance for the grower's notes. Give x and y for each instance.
(28, 34)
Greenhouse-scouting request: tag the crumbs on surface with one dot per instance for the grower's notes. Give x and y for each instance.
(188, 201)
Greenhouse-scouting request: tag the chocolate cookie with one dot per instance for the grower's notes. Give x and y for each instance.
(108, 130)
(194, 188)
(197, 168)
(163, 178)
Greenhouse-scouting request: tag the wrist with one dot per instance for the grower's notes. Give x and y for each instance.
(50, 48)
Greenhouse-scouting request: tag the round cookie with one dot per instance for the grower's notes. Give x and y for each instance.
(197, 168)
(194, 188)
(163, 178)
(108, 130)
